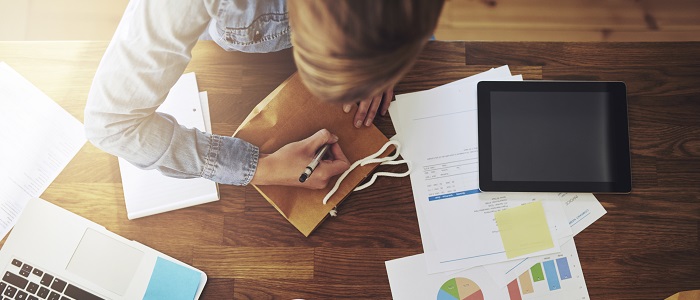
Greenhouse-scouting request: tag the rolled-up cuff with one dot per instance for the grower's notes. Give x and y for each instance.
(230, 160)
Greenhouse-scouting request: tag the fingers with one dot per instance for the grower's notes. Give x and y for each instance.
(361, 112)
(372, 112)
(338, 154)
(318, 139)
(347, 107)
(386, 101)
(331, 167)
(368, 108)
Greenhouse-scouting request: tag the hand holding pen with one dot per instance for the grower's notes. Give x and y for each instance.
(314, 163)
(318, 154)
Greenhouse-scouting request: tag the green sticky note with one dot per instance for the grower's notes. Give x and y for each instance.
(524, 229)
(172, 281)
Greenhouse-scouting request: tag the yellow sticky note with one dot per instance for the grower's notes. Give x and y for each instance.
(524, 229)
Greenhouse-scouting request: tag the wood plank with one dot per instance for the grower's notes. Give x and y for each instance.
(679, 173)
(663, 35)
(73, 19)
(655, 202)
(449, 33)
(356, 265)
(429, 71)
(588, 55)
(644, 173)
(667, 141)
(232, 199)
(255, 262)
(13, 20)
(296, 289)
(505, 20)
(218, 288)
(83, 167)
(672, 15)
(637, 265)
(544, 15)
(176, 227)
(675, 111)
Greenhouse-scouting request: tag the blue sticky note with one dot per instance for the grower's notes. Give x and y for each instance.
(171, 280)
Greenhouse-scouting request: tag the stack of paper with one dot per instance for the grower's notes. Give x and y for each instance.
(495, 236)
(148, 192)
(39, 139)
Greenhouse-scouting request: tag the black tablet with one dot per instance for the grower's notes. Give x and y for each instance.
(553, 136)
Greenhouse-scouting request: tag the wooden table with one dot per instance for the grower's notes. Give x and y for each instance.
(646, 247)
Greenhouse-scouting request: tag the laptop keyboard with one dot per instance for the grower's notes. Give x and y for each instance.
(22, 281)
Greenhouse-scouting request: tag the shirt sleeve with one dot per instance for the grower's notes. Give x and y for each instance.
(148, 53)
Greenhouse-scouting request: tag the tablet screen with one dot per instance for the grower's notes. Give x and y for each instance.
(553, 136)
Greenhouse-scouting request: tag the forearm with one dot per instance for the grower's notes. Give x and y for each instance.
(147, 55)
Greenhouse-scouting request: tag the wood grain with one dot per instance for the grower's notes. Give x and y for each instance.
(465, 20)
(646, 247)
(569, 20)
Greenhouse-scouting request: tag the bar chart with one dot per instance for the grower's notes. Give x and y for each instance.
(550, 278)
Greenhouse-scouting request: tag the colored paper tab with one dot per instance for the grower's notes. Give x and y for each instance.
(537, 274)
(513, 290)
(526, 283)
(563, 266)
(524, 229)
(171, 280)
(551, 273)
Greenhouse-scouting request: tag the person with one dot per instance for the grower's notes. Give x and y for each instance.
(348, 51)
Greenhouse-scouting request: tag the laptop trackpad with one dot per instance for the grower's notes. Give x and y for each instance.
(109, 263)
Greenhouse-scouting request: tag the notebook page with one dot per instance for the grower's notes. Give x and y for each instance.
(148, 192)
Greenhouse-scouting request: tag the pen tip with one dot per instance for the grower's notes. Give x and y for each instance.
(303, 177)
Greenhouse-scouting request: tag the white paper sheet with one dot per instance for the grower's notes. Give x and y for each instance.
(582, 209)
(148, 192)
(562, 279)
(204, 102)
(39, 140)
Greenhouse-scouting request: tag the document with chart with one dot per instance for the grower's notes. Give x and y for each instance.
(457, 224)
(458, 230)
(550, 277)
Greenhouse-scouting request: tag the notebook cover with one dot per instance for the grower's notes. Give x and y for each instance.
(291, 113)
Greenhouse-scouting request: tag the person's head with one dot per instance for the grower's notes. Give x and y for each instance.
(349, 50)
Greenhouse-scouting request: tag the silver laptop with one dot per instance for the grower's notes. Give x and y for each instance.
(54, 254)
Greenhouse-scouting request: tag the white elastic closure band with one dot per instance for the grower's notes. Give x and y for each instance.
(372, 159)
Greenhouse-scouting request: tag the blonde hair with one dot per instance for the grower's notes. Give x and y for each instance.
(348, 50)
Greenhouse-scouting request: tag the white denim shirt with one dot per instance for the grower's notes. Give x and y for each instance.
(149, 51)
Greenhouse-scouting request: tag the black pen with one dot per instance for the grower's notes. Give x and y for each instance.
(314, 163)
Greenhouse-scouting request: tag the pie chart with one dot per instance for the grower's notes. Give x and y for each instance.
(460, 288)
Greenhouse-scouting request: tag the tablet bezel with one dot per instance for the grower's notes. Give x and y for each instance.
(620, 134)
